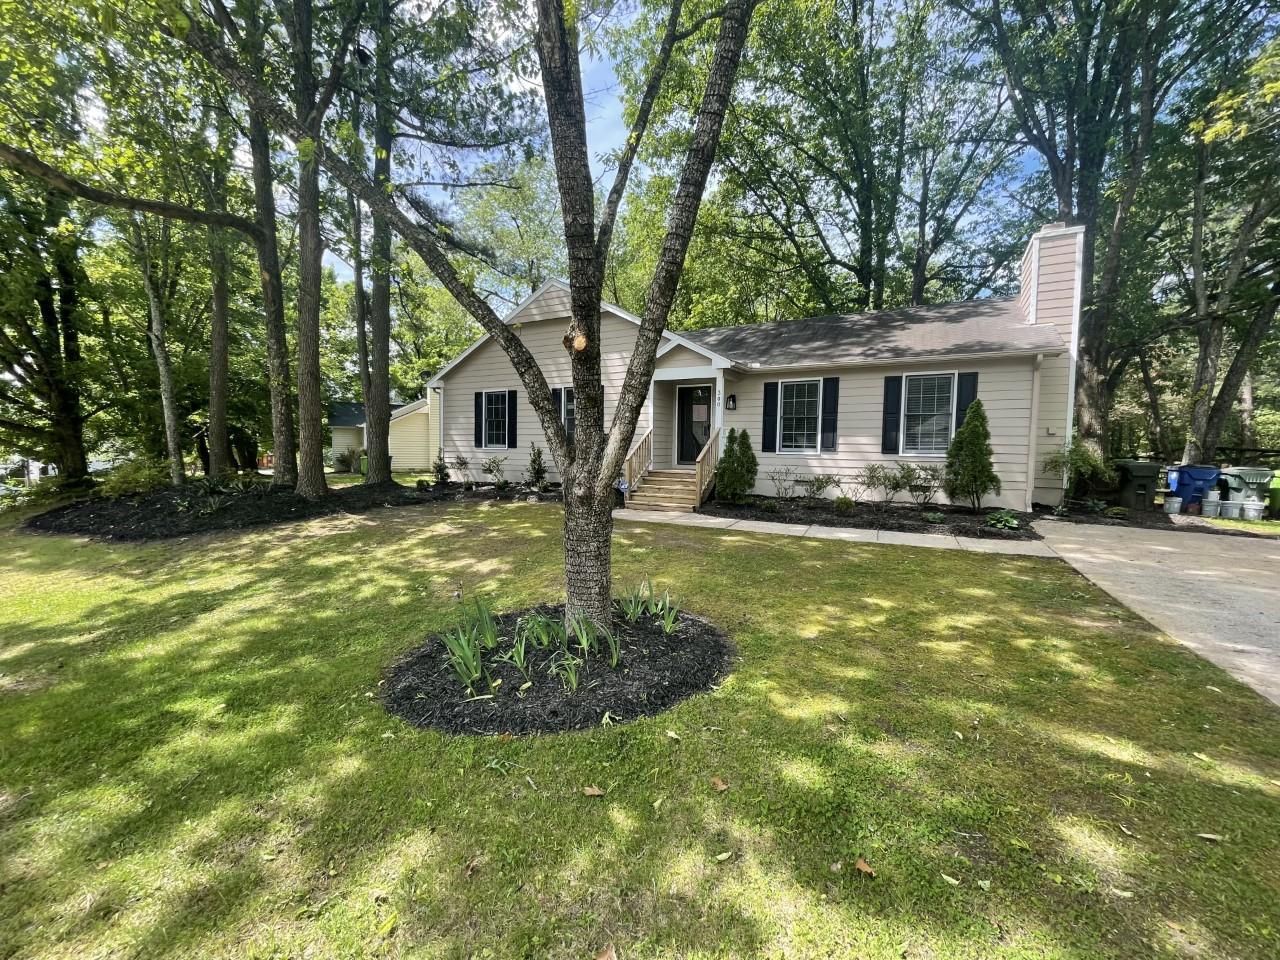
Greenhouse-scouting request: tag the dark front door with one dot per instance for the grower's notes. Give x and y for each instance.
(693, 421)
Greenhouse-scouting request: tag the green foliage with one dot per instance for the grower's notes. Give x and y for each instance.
(737, 469)
(769, 506)
(633, 604)
(615, 649)
(135, 476)
(784, 481)
(535, 474)
(464, 655)
(493, 469)
(440, 471)
(1086, 470)
(970, 475)
(486, 627)
(1116, 513)
(542, 631)
(463, 466)
(814, 487)
(565, 667)
(884, 479)
(1003, 520)
(584, 632)
(843, 504)
(348, 461)
(518, 654)
(921, 482)
(933, 516)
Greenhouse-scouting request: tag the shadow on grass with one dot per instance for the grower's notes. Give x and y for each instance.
(208, 771)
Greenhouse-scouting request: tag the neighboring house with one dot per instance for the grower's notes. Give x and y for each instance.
(824, 395)
(408, 438)
(346, 428)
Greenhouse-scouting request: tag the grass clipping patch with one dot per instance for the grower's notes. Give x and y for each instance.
(564, 683)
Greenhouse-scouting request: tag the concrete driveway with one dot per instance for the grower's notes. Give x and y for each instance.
(1219, 595)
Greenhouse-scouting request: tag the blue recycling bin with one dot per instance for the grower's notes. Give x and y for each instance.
(1192, 481)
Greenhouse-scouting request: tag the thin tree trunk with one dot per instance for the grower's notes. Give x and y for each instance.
(66, 405)
(1159, 435)
(377, 402)
(160, 352)
(1250, 343)
(219, 268)
(1246, 412)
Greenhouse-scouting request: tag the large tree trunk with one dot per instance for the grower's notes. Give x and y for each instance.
(285, 472)
(311, 482)
(588, 561)
(219, 447)
(377, 402)
(65, 405)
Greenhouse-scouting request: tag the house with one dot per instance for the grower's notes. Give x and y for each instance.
(408, 437)
(823, 395)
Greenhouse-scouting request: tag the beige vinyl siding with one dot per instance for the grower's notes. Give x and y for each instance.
(664, 424)
(1055, 304)
(343, 439)
(1004, 387)
(412, 441)
(488, 368)
(681, 356)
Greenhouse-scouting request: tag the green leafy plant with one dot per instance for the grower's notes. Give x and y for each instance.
(485, 625)
(1116, 513)
(565, 667)
(784, 482)
(518, 654)
(1096, 507)
(843, 504)
(1003, 520)
(465, 658)
(615, 649)
(933, 516)
(921, 482)
(440, 471)
(736, 472)
(584, 632)
(769, 506)
(970, 475)
(1085, 470)
(535, 474)
(669, 618)
(633, 604)
(493, 468)
(463, 466)
(1061, 510)
(542, 631)
(348, 461)
(814, 487)
(883, 479)
(135, 476)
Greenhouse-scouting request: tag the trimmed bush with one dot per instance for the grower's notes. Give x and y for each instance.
(736, 471)
(970, 475)
(135, 476)
(535, 473)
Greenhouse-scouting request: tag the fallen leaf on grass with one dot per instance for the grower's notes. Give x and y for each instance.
(1127, 832)
(1214, 689)
(673, 735)
(1201, 756)
(592, 791)
(658, 803)
(985, 884)
(1122, 894)
(390, 924)
(1214, 837)
(835, 867)
(722, 857)
(719, 784)
(951, 880)
(863, 867)
(608, 953)
(959, 735)
(471, 866)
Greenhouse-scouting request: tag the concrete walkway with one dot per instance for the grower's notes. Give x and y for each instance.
(942, 541)
(1218, 595)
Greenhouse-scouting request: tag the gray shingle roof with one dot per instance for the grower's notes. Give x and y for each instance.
(955, 329)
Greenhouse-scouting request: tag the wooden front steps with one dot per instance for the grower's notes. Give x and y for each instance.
(671, 490)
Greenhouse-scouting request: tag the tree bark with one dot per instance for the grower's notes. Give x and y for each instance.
(1246, 412)
(157, 340)
(219, 269)
(377, 402)
(65, 401)
(588, 561)
(1246, 353)
(1159, 435)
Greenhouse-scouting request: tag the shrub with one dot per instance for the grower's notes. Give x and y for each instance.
(843, 504)
(1003, 519)
(731, 479)
(922, 483)
(136, 476)
(1116, 513)
(769, 506)
(493, 469)
(463, 466)
(348, 461)
(933, 516)
(440, 471)
(970, 475)
(1086, 471)
(882, 478)
(784, 482)
(463, 647)
(814, 487)
(535, 474)
(851, 487)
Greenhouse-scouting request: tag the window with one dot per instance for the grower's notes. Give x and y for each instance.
(927, 414)
(570, 412)
(798, 415)
(495, 419)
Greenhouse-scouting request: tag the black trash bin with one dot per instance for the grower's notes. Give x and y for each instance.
(1138, 482)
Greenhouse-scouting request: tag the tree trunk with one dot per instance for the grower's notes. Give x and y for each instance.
(377, 402)
(164, 368)
(311, 482)
(588, 562)
(1246, 412)
(65, 403)
(1251, 342)
(1159, 435)
(219, 446)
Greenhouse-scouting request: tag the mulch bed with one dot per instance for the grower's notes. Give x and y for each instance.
(903, 517)
(185, 511)
(655, 671)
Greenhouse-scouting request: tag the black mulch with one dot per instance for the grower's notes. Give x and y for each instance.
(184, 511)
(907, 518)
(655, 671)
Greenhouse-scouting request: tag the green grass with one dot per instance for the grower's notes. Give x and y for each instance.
(194, 762)
(408, 478)
(1268, 527)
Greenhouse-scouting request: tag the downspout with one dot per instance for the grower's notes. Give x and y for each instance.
(1075, 347)
(1033, 430)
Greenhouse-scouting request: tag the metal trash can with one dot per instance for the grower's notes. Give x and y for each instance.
(1248, 483)
(1190, 481)
(1138, 482)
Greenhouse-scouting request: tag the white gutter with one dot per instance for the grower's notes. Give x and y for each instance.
(1033, 429)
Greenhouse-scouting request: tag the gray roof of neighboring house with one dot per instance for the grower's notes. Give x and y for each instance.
(954, 329)
(346, 413)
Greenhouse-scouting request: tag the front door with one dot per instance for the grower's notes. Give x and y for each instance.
(693, 421)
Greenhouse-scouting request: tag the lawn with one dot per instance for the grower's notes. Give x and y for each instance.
(195, 762)
(1269, 527)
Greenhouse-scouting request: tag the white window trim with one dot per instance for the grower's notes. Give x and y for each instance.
(484, 421)
(806, 451)
(902, 414)
(675, 415)
(564, 410)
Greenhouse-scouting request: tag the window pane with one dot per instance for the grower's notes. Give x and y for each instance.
(495, 419)
(570, 413)
(799, 428)
(926, 427)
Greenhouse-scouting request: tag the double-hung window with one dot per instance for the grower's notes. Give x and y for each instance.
(928, 412)
(495, 418)
(570, 412)
(798, 415)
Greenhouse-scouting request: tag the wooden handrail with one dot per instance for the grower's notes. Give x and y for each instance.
(704, 468)
(638, 463)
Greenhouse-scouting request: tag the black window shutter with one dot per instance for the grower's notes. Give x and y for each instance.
(557, 403)
(966, 393)
(511, 419)
(479, 419)
(891, 426)
(769, 429)
(830, 407)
